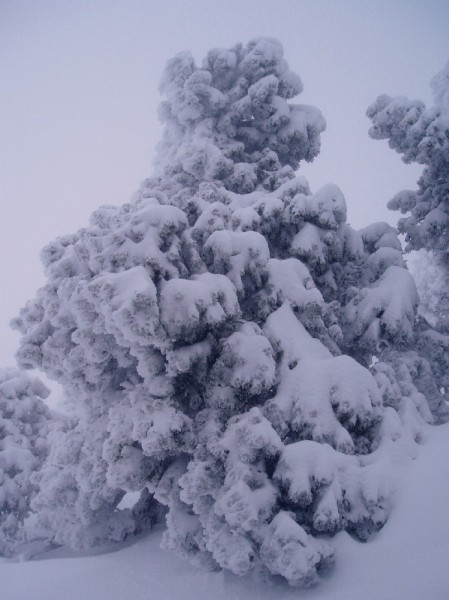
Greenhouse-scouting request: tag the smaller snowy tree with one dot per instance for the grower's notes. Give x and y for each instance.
(25, 425)
(421, 135)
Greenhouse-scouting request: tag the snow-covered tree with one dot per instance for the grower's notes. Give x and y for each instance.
(421, 135)
(214, 336)
(25, 425)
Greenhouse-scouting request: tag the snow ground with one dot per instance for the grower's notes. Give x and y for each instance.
(407, 560)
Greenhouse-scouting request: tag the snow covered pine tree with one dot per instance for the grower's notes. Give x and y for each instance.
(215, 337)
(25, 425)
(421, 135)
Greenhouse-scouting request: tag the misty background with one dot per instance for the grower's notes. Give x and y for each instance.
(79, 95)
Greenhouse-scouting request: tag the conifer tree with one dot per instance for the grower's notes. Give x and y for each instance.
(25, 426)
(216, 337)
(421, 135)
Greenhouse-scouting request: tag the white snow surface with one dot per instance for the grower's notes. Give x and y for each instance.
(407, 560)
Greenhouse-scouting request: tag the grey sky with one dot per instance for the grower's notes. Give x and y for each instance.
(78, 122)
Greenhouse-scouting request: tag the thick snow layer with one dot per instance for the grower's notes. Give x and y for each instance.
(407, 560)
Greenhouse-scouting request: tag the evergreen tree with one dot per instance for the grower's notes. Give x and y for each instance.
(25, 426)
(421, 135)
(215, 337)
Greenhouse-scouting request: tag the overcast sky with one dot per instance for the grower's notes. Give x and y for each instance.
(79, 93)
